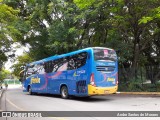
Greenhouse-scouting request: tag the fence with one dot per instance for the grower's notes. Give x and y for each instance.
(141, 79)
(12, 81)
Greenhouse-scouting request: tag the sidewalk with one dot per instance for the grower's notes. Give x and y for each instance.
(1, 91)
(139, 93)
(10, 86)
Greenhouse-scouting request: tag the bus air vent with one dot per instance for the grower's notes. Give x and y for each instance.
(105, 68)
(81, 86)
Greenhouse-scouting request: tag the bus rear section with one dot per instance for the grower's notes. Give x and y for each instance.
(104, 76)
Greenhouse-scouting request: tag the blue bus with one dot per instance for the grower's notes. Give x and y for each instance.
(86, 72)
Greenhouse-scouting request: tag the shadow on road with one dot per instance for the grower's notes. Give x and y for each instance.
(83, 99)
(92, 99)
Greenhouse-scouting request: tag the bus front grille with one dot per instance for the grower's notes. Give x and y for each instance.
(81, 86)
(105, 68)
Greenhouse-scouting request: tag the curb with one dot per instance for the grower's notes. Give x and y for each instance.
(1, 92)
(139, 93)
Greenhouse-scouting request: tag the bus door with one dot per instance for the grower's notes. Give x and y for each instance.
(39, 80)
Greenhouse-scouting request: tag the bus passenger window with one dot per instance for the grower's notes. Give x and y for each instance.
(30, 71)
(55, 67)
(40, 69)
(59, 65)
(63, 67)
(71, 64)
(48, 66)
(37, 68)
(81, 59)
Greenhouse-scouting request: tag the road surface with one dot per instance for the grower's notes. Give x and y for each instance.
(14, 99)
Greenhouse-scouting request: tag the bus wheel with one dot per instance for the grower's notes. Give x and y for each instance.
(64, 92)
(30, 90)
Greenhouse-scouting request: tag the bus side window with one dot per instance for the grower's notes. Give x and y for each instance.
(66, 63)
(71, 63)
(45, 67)
(62, 66)
(36, 69)
(40, 69)
(30, 71)
(81, 59)
(55, 65)
(48, 66)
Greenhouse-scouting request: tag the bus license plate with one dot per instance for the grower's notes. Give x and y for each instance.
(106, 92)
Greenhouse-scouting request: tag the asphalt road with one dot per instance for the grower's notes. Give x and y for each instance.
(15, 100)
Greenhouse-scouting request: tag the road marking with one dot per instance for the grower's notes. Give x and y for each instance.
(21, 109)
(15, 105)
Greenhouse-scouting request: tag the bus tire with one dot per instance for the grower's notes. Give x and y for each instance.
(64, 92)
(30, 90)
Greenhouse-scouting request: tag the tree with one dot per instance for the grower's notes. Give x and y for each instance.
(8, 31)
(50, 24)
(153, 19)
(21, 62)
(58, 26)
(3, 74)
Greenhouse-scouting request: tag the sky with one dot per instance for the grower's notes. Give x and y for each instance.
(19, 50)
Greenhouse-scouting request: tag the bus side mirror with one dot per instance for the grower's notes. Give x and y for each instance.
(22, 67)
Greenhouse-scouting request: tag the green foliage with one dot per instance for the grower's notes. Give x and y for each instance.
(158, 87)
(3, 74)
(138, 87)
(9, 32)
(21, 62)
(145, 20)
(8, 18)
(154, 15)
(84, 3)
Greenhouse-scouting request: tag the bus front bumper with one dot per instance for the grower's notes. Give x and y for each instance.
(92, 90)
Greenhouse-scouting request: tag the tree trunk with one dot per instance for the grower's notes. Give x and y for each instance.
(135, 61)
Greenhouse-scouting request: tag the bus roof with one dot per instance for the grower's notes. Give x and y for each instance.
(65, 55)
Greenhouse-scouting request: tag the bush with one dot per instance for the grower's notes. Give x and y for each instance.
(138, 87)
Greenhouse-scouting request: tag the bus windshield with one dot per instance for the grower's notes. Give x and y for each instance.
(104, 55)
